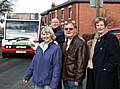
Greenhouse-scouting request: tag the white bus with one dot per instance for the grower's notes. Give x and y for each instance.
(21, 33)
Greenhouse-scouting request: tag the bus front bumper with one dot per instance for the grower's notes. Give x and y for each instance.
(17, 51)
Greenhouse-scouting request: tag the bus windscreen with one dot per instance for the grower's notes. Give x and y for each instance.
(21, 29)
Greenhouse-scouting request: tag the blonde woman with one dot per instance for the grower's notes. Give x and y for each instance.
(45, 68)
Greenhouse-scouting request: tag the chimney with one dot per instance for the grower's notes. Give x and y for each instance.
(53, 4)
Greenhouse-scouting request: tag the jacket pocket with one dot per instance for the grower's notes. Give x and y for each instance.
(70, 69)
(70, 60)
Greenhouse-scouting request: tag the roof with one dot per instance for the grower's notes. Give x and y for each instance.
(69, 2)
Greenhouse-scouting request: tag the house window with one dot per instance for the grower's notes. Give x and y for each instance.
(70, 12)
(55, 13)
(62, 14)
(45, 19)
(50, 17)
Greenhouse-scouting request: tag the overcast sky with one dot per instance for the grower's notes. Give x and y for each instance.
(35, 5)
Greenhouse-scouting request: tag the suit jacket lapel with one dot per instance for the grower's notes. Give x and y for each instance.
(101, 43)
(98, 45)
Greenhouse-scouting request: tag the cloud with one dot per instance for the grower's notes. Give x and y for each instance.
(30, 6)
(39, 6)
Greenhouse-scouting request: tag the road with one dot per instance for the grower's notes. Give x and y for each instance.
(11, 73)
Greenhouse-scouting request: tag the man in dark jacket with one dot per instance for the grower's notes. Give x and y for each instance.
(74, 61)
(58, 30)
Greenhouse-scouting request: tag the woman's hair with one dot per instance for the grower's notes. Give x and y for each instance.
(100, 19)
(48, 29)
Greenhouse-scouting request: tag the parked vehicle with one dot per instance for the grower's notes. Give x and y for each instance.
(21, 33)
(116, 32)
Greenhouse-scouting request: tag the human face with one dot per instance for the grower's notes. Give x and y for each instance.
(55, 23)
(69, 31)
(46, 37)
(100, 26)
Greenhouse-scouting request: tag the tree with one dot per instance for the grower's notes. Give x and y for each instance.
(5, 6)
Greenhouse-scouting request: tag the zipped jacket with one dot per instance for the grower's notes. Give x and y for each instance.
(74, 60)
(45, 68)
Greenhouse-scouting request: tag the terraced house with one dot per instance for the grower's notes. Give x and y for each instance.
(82, 14)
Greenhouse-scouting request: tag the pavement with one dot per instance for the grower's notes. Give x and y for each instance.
(20, 85)
(2, 60)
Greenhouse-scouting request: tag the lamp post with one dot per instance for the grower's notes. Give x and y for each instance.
(97, 8)
(97, 4)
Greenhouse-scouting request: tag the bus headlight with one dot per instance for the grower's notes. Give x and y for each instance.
(6, 46)
(9, 46)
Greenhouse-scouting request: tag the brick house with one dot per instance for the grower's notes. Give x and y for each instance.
(82, 14)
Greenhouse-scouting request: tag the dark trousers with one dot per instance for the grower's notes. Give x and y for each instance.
(60, 84)
(90, 78)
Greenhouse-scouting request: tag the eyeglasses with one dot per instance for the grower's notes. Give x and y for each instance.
(70, 29)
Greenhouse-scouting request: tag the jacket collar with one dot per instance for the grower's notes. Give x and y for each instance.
(100, 42)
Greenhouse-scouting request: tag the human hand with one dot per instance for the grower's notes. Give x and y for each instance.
(51, 88)
(25, 81)
(76, 83)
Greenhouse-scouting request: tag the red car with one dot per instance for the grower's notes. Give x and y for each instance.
(116, 32)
